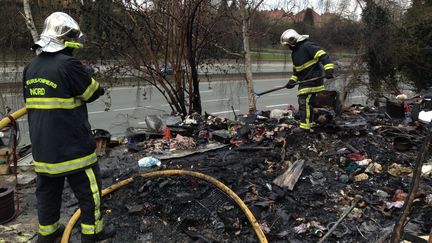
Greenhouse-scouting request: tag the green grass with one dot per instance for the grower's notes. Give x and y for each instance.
(342, 55)
(282, 50)
(271, 56)
(284, 55)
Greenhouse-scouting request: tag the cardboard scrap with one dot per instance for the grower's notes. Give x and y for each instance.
(184, 153)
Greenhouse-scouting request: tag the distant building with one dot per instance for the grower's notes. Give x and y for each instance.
(275, 13)
(299, 17)
(291, 17)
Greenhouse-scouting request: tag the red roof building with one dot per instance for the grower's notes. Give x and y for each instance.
(299, 17)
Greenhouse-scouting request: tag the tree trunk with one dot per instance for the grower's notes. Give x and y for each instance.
(195, 96)
(29, 20)
(247, 55)
(2, 106)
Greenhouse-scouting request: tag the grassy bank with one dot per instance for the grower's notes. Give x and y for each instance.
(285, 55)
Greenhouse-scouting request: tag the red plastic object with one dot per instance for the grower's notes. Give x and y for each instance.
(167, 134)
(356, 156)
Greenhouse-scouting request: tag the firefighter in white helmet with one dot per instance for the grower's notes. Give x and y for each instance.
(60, 31)
(56, 91)
(309, 61)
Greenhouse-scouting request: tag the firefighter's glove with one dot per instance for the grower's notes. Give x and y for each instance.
(89, 69)
(101, 91)
(329, 74)
(290, 84)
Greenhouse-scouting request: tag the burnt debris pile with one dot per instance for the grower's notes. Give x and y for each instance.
(358, 160)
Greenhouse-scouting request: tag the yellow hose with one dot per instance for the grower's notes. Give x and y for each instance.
(17, 114)
(68, 229)
(260, 234)
(220, 185)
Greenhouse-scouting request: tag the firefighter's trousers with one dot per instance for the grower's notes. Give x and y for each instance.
(86, 186)
(306, 103)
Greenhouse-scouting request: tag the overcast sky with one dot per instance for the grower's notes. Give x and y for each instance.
(343, 7)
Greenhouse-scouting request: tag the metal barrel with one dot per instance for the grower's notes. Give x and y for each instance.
(7, 204)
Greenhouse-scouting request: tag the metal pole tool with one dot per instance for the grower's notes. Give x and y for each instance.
(283, 87)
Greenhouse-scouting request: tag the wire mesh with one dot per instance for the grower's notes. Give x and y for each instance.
(208, 206)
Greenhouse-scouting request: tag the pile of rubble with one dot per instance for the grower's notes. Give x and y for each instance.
(358, 160)
(296, 186)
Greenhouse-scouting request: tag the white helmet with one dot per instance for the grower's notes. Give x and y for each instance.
(291, 37)
(60, 31)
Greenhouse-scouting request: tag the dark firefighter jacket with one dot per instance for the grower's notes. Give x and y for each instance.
(309, 61)
(56, 90)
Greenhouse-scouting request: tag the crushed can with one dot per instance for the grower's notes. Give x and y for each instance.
(317, 232)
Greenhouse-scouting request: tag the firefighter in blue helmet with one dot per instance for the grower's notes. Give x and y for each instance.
(309, 61)
(56, 91)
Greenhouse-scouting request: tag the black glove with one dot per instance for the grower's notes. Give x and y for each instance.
(101, 91)
(329, 74)
(89, 69)
(290, 84)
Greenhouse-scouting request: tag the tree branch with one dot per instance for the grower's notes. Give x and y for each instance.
(415, 182)
(228, 51)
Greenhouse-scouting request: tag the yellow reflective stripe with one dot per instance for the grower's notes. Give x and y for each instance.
(294, 78)
(329, 66)
(95, 191)
(89, 229)
(319, 53)
(304, 125)
(52, 103)
(88, 93)
(73, 44)
(45, 230)
(306, 65)
(311, 90)
(66, 166)
(308, 111)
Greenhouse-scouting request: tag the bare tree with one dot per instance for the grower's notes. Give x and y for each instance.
(247, 9)
(29, 20)
(161, 43)
(191, 53)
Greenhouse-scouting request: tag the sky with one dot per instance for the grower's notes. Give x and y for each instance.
(343, 7)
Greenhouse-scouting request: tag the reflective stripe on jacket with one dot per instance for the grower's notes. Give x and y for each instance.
(309, 61)
(56, 90)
